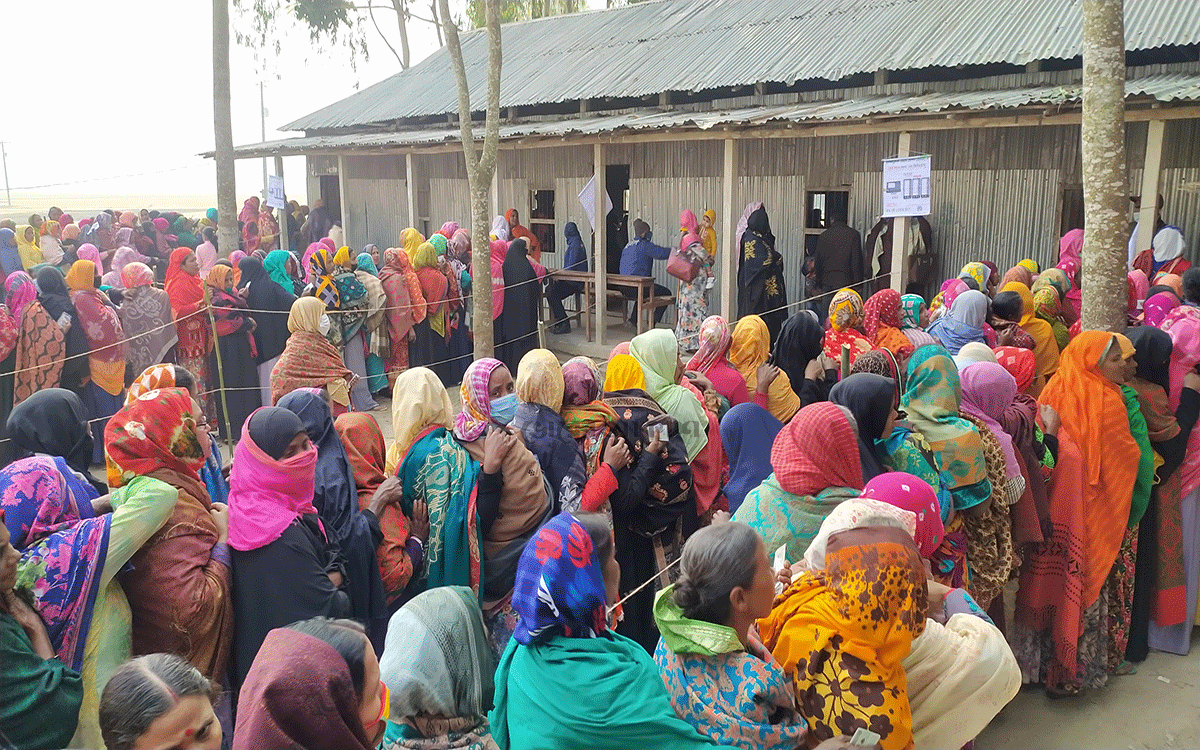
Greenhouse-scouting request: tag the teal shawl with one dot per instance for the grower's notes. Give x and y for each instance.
(570, 693)
(781, 517)
(438, 468)
(1140, 431)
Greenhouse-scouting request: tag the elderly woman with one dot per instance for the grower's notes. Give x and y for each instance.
(567, 577)
(179, 585)
(809, 480)
(720, 677)
(159, 700)
(309, 360)
(102, 396)
(287, 567)
(438, 670)
(70, 556)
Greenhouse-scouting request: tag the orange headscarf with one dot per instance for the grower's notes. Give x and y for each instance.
(1093, 412)
(1045, 345)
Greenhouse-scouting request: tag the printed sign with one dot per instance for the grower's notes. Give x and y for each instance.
(275, 192)
(906, 186)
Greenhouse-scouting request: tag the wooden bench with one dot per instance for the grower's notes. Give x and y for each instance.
(644, 298)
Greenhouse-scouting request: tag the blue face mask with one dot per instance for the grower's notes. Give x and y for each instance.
(504, 409)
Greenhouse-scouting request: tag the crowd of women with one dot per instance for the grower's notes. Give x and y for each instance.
(752, 546)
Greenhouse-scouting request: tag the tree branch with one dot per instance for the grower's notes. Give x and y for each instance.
(464, 91)
(371, 12)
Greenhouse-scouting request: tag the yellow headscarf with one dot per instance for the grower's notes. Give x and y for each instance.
(81, 276)
(624, 373)
(748, 348)
(305, 315)
(30, 254)
(425, 256)
(1030, 265)
(410, 240)
(540, 379)
(1045, 349)
(420, 401)
(342, 257)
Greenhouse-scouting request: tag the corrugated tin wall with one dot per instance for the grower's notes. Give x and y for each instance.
(375, 211)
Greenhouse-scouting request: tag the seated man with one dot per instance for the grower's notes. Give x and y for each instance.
(637, 259)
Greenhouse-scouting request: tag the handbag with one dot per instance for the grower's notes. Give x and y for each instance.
(682, 265)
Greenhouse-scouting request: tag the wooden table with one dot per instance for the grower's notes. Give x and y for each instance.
(646, 301)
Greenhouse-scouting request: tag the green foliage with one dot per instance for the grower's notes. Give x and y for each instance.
(521, 10)
(333, 25)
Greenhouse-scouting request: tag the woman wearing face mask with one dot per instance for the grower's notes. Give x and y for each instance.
(159, 700)
(309, 360)
(568, 577)
(179, 586)
(285, 567)
(314, 684)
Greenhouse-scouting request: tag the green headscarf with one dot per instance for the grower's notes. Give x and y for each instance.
(1140, 431)
(684, 635)
(439, 243)
(657, 351)
(276, 265)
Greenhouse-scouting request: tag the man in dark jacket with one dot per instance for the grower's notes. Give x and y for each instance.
(637, 259)
(838, 256)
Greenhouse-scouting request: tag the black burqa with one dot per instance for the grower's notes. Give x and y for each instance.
(653, 508)
(869, 397)
(516, 328)
(336, 500)
(53, 422)
(1153, 356)
(800, 342)
(52, 293)
(264, 293)
(761, 288)
(286, 580)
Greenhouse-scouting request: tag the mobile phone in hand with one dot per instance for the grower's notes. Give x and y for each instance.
(658, 432)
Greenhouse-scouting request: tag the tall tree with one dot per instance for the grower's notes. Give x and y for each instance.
(227, 232)
(481, 163)
(1105, 187)
(520, 10)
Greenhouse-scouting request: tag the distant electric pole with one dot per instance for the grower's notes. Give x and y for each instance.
(7, 190)
(262, 116)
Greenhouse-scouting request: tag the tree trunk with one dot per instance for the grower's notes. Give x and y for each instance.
(227, 231)
(481, 165)
(1105, 186)
(402, 20)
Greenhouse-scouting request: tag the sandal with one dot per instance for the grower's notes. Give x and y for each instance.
(1063, 692)
(1126, 668)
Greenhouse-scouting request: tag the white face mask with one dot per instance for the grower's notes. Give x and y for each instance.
(324, 324)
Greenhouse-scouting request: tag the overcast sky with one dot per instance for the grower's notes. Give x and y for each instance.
(113, 89)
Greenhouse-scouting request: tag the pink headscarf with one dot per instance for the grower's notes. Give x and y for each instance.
(328, 244)
(1157, 307)
(688, 226)
(913, 494)
(476, 412)
(950, 291)
(621, 348)
(987, 390)
(448, 229)
(122, 257)
(308, 253)
(70, 232)
(1141, 285)
(1185, 355)
(498, 249)
(270, 494)
(715, 338)
(88, 251)
(21, 291)
(1069, 249)
(161, 225)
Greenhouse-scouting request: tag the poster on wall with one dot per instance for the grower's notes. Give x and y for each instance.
(275, 197)
(906, 183)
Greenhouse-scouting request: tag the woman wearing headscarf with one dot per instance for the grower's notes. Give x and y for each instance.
(500, 229)
(10, 255)
(1158, 306)
(350, 309)
(428, 348)
(439, 673)
(710, 361)
(1045, 343)
(963, 323)
(336, 499)
(564, 640)
(189, 306)
(51, 243)
(321, 284)
(798, 354)
(977, 275)
(314, 684)
(1048, 307)
(747, 432)
(268, 229)
(588, 419)
(179, 583)
(517, 325)
(308, 359)
(31, 254)
(375, 332)
(146, 318)
(233, 356)
(845, 326)
(277, 265)
(1063, 636)
(881, 321)
(761, 287)
(1165, 254)
(38, 349)
(843, 633)
(657, 352)
(721, 679)
(56, 300)
(52, 422)
(285, 560)
(102, 395)
(808, 480)
(272, 304)
(70, 556)
(1160, 591)
(122, 257)
(405, 304)
(914, 316)
(749, 348)
(692, 300)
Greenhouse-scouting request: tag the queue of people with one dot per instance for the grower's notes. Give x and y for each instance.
(773, 532)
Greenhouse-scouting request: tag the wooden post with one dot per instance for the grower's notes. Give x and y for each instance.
(1151, 174)
(600, 240)
(342, 177)
(899, 270)
(728, 260)
(411, 184)
(285, 238)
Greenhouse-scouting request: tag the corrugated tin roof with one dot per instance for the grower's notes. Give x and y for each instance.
(694, 45)
(1167, 87)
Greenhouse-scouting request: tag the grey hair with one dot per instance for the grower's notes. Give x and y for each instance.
(143, 689)
(716, 560)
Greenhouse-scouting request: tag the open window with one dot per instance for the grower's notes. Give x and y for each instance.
(819, 207)
(541, 218)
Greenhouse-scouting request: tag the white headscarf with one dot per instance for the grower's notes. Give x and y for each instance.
(500, 228)
(1168, 244)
